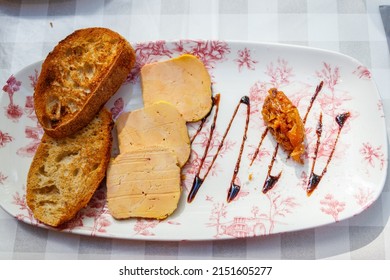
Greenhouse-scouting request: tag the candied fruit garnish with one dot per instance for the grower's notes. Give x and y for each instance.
(285, 123)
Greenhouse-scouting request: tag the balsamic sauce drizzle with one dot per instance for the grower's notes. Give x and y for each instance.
(314, 178)
(313, 98)
(259, 145)
(235, 188)
(215, 102)
(198, 181)
(199, 127)
(271, 180)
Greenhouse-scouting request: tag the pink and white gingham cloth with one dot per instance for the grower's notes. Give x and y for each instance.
(30, 29)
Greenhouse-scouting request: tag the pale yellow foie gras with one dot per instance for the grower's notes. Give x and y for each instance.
(159, 124)
(144, 179)
(183, 81)
(143, 183)
(153, 138)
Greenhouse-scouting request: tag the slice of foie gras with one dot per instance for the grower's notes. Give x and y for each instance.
(159, 124)
(182, 81)
(143, 183)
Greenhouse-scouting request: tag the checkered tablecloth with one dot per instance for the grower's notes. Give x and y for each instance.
(29, 29)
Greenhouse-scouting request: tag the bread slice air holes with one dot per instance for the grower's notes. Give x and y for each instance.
(53, 108)
(48, 190)
(87, 67)
(65, 172)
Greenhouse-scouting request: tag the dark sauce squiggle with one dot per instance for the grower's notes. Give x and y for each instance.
(198, 181)
(314, 178)
(259, 145)
(313, 98)
(234, 187)
(215, 101)
(271, 180)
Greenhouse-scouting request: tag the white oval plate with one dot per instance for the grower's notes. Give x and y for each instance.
(354, 177)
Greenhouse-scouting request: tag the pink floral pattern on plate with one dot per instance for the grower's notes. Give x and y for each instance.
(12, 111)
(261, 222)
(95, 212)
(373, 156)
(362, 72)
(5, 138)
(117, 108)
(364, 197)
(2, 178)
(245, 60)
(237, 70)
(332, 206)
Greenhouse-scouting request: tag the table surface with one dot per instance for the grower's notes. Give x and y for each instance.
(30, 29)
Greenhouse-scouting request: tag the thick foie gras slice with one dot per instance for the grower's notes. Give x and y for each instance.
(143, 183)
(159, 124)
(183, 81)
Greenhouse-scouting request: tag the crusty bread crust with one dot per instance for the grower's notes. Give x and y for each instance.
(78, 77)
(66, 172)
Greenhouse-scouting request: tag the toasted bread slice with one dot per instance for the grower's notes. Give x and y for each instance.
(78, 77)
(65, 173)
